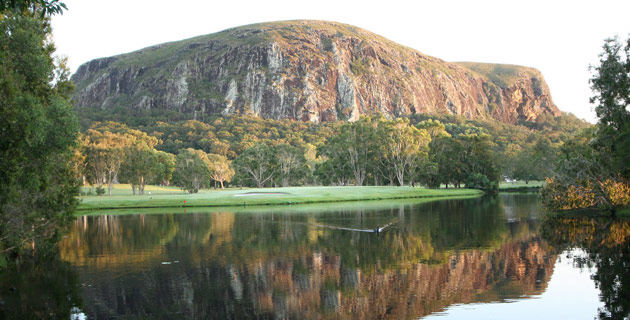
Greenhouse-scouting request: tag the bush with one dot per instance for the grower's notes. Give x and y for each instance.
(100, 191)
(480, 181)
(557, 196)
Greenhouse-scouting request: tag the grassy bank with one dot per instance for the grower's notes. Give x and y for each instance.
(172, 198)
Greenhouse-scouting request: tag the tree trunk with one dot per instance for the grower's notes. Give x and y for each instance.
(221, 183)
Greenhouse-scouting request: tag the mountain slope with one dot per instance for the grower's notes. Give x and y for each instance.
(307, 70)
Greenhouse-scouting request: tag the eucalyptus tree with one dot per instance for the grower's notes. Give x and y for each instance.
(291, 164)
(165, 168)
(107, 150)
(257, 163)
(140, 163)
(220, 168)
(192, 170)
(139, 166)
(402, 147)
(352, 146)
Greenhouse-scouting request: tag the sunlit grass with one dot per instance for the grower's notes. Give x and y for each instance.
(168, 197)
(520, 184)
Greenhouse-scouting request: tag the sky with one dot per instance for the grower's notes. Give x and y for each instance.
(559, 38)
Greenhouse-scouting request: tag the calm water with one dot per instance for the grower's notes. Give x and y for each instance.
(486, 258)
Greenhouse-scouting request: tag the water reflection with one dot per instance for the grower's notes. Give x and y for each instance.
(292, 262)
(47, 289)
(606, 243)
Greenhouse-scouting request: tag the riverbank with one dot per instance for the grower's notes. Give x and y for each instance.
(265, 196)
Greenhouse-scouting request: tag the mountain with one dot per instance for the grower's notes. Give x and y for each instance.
(307, 70)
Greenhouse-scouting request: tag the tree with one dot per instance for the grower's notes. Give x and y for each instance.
(353, 146)
(140, 163)
(611, 95)
(38, 132)
(438, 169)
(105, 155)
(593, 170)
(43, 7)
(582, 179)
(220, 168)
(402, 147)
(192, 170)
(532, 163)
(333, 169)
(165, 168)
(291, 164)
(140, 166)
(257, 163)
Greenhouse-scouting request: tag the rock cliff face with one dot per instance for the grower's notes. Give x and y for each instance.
(308, 70)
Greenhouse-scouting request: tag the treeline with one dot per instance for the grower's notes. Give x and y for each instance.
(248, 151)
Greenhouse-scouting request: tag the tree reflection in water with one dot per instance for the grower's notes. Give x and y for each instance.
(607, 245)
(44, 289)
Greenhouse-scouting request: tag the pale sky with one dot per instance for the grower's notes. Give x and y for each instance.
(559, 38)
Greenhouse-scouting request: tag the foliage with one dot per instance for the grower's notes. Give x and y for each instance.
(37, 136)
(43, 7)
(531, 163)
(292, 168)
(140, 166)
(192, 170)
(593, 169)
(109, 145)
(611, 88)
(165, 168)
(479, 181)
(354, 145)
(256, 165)
(402, 147)
(360, 66)
(220, 168)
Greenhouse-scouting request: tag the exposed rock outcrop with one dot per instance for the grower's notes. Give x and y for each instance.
(308, 70)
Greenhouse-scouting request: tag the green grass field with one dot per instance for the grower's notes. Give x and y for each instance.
(170, 197)
(520, 184)
(294, 208)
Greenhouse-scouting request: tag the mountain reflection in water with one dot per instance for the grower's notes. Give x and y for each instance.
(284, 263)
(310, 262)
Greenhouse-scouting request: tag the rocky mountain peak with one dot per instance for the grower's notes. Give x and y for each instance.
(311, 71)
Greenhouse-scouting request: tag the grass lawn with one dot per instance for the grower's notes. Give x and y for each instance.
(520, 184)
(169, 197)
(125, 189)
(294, 208)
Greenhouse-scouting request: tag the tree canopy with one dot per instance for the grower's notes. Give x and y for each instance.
(38, 132)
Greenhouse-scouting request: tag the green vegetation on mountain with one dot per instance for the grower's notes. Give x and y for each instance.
(504, 75)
